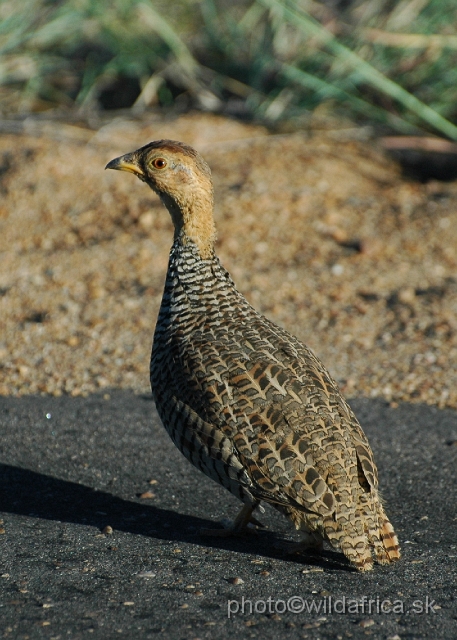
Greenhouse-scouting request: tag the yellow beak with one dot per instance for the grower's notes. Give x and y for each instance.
(126, 163)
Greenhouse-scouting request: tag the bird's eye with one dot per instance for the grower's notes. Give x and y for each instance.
(159, 163)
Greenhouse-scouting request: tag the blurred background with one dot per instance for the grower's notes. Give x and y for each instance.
(330, 127)
(388, 63)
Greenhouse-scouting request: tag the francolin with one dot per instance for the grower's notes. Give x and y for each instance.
(246, 402)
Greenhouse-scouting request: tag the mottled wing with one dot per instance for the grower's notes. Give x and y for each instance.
(310, 370)
(205, 445)
(288, 425)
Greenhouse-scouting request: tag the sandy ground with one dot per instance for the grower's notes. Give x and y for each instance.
(318, 229)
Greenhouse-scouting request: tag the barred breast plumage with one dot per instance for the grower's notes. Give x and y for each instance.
(243, 400)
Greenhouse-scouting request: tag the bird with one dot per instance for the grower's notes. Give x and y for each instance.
(245, 401)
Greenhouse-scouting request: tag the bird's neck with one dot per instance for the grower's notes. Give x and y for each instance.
(193, 220)
(203, 282)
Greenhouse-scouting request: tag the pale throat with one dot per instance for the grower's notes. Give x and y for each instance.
(193, 220)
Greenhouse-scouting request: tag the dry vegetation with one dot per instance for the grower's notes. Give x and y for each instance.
(378, 61)
(319, 230)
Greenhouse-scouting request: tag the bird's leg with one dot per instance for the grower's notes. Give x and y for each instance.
(311, 541)
(241, 525)
(244, 517)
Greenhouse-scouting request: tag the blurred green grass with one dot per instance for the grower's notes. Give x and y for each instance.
(393, 64)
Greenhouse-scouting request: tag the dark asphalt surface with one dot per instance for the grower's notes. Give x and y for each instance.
(72, 466)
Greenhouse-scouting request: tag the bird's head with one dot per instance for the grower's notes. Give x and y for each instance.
(182, 179)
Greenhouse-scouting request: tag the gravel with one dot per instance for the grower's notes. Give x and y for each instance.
(82, 556)
(319, 230)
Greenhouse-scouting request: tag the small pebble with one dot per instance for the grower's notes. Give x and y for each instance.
(147, 495)
(235, 580)
(407, 295)
(128, 604)
(108, 530)
(366, 623)
(146, 574)
(313, 570)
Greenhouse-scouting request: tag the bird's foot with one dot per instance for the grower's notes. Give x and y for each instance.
(299, 547)
(311, 541)
(243, 524)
